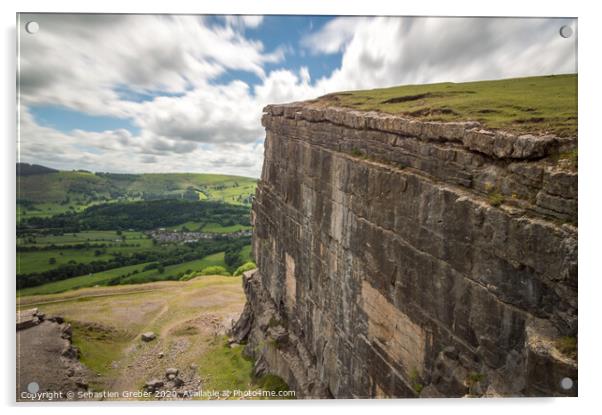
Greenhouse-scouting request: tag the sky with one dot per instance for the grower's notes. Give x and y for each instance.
(168, 93)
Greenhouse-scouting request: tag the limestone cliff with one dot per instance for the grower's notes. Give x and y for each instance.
(403, 258)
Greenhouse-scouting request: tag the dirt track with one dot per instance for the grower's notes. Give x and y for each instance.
(107, 324)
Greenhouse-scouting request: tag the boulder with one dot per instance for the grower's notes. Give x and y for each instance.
(67, 332)
(153, 385)
(148, 336)
(27, 318)
(171, 373)
(70, 352)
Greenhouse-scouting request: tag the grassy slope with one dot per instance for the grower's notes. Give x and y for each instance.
(98, 278)
(544, 104)
(101, 278)
(228, 369)
(209, 184)
(107, 323)
(245, 253)
(107, 319)
(54, 187)
(197, 265)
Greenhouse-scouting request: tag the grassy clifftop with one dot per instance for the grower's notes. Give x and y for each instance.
(543, 104)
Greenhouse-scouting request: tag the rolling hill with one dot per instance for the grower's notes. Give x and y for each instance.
(43, 192)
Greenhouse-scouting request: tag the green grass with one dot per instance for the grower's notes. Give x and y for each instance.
(475, 377)
(270, 382)
(107, 321)
(98, 345)
(217, 228)
(40, 261)
(191, 226)
(416, 381)
(495, 199)
(85, 236)
(247, 266)
(99, 278)
(83, 188)
(102, 278)
(56, 187)
(173, 270)
(215, 270)
(210, 227)
(225, 368)
(543, 104)
(44, 210)
(567, 345)
(64, 191)
(246, 254)
(568, 158)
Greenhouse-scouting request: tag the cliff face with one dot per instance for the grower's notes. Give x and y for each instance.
(400, 258)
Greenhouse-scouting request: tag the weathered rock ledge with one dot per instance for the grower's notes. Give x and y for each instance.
(47, 358)
(499, 144)
(400, 258)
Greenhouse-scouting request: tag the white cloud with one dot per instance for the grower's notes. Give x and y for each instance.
(334, 36)
(91, 63)
(386, 51)
(242, 22)
(80, 61)
(209, 114)
(119, 151)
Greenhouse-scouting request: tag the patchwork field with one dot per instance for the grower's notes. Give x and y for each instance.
(208, 227)
(150, 243)
(137, 275)
(86, 236)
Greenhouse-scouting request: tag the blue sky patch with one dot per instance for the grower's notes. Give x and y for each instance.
(128, 94)
(286, 33)
(67, 120)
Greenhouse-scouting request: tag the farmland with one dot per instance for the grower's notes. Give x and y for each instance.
(81, 229)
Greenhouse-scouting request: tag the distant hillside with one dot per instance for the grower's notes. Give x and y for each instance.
(48, 192)
(26, 169)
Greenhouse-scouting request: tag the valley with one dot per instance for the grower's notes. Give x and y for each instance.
(80, 229)
(107, 257)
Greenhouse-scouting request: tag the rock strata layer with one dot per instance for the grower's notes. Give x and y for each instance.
(401, 258)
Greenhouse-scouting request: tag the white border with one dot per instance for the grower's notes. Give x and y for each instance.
(590, 196)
